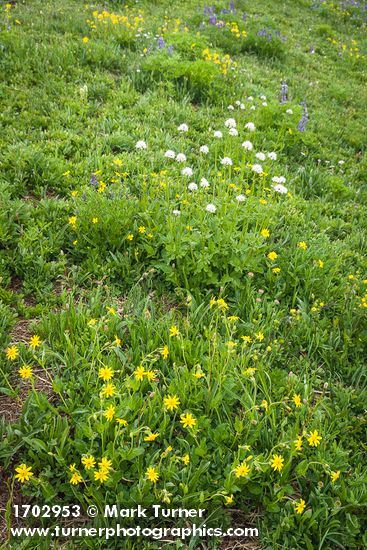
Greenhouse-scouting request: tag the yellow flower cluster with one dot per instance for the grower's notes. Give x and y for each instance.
(129, 22)
(225, 62)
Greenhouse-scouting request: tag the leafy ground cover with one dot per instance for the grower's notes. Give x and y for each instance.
(183, 283)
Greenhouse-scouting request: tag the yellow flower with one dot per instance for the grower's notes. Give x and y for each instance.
(173, 331)
(152, 474)
(12, 352)
(233, 318)
(247, 339)
(85, 39)
(34, 342)
(141, 229)
(298, 443)
(110, 412)
(165, 352)
(88, 462)
(297, 400)
(300, 506)
(222, 304)
(314, 439)
(111, 311)
(185, 459)
(150, 374)
(152, 437)
(272, 256)
(198, 374)
(72, 221)
(171, 402)
(106, 373)
(260, 336)
(139, 373)
(242, 470)
(265, 404)
(25, 371)
(277, 463)
(265, 233)
(72, 467)
(276, 270)
(105, 464)
(101, 475)
(24, 473)
(130, 237)
(228, 500)
(76, 478)
(320, 263)
(94, 221)
(187, 420)
(335, 476)
(302, 245)
(117, 162)
(117, 341)
(108, 390)
(122, 421)
(92, 323)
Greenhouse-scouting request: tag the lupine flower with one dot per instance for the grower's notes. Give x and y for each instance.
(181, 157)
(304, 120)
(211, 208)
(187, 171)
(160, 42)
(141, 145)
(204, 149)
(247, 145)
(170, 49)
(283, 93)
(250, 126)
(170, 154)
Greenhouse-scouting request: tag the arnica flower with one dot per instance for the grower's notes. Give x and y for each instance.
(171, 402)
(272, 256)
(300, 506)
(152, 436)
(277, 463)
(204, 183)
(106, 373)
(108, 390)
(228, 500)
(257, 168)
(181, 157)
(314, 439)
(152, 474)
(25, 372)
(297, 400)
(298, 443)
(265, 233)
(165, 352)
(335, 476)
(302, 245)
(170, 154)
(187, 420)
(250, 126)
(110, 412)
(183, 128)
(247, 145)
(101, 475)
(204, 149)
(24, 473)
(105, 464)
(76, 478)
(186, 459)
(139, 373)
(173, 331)
(187, 171)
(12, 353)
(230, 123)
(34, 342)
(218, 134)
(88, 462)
(226, 161)
(122, 422)
(260, 156)
(242, 470)
(140, 145)
(211, 208)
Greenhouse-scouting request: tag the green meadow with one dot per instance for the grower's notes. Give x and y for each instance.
(183, 278)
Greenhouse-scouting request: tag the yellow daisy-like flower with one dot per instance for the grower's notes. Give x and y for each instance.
(228, 499)
(242, 470)
(34, 342)
(171, 402)
(314, 439)
(85, 39)
(187, 420)
(152, 474)
(173, 331)
(277, 463)
(335, 476)
(108, 390)
(186, 459)
(265, 404)
(117, 341)
(276, 270)
(122, 422)
(272, 256)
(320, 263)
(12, 352)
(94, 221)
(76, 478)
(92, 322)
(101, 475)
(165, 352)
(105, 464)
(198, 374)
(88, 462)
(25, 371)
(141, 229)
(110, 413)
(152, 437)
(150, 374)
(300, 506)
(106, 373)
(302, 245)
(246, 339)
(265, 233)
(298, 443)
(24, 473)
(139, 373)
(297, 400)
(260, 336)
(130, 237)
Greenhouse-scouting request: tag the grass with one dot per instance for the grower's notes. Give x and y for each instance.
(121, 287)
